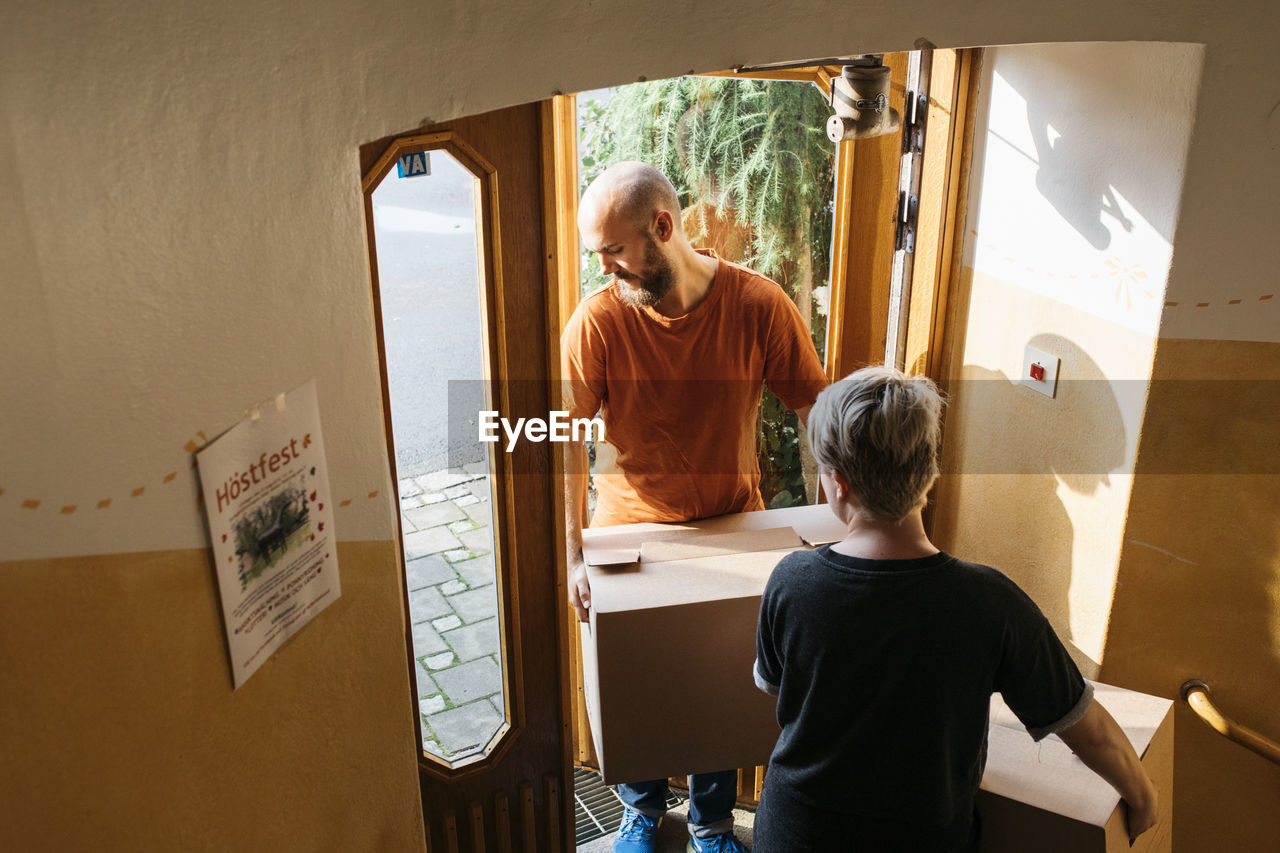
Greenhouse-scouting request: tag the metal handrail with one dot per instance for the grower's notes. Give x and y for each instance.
(1196, 694)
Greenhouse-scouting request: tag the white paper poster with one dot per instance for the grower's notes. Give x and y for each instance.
(266, 495)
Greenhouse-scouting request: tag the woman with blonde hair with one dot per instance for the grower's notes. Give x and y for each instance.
(884, 651)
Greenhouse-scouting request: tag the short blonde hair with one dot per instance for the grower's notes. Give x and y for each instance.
(880, 429)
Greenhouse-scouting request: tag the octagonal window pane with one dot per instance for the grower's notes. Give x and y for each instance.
(431, 286)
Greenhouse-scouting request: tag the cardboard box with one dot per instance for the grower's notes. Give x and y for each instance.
(667, 654)
(667, 658)
(1039, 796)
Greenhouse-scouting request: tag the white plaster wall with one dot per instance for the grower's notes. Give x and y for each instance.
(177, 179)
(1081, 150)
(1079, 154)
(181, 216)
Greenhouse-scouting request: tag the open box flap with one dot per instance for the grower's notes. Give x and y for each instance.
(721, 577)
(718, 544)
(822, 530)
(621, 545)
(617, 546)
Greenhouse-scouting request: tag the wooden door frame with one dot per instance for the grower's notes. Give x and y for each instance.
(559, 117)
(941, 225)
(937, 314)
(497, 806)
(866, 201)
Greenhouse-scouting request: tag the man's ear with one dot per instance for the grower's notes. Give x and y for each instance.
(663, 225)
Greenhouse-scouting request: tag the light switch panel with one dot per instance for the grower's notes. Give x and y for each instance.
(1040, 371)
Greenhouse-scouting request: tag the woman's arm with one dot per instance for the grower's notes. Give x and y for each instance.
(1100, 743)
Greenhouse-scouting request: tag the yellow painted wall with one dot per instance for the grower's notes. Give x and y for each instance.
(1198, 590)
(1138, 507)
(181, 237)
(1078, 153)
(123, 732)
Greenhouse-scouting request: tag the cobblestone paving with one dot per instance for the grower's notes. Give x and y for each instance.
(453, 604)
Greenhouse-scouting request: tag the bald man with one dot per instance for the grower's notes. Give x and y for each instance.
(673, 353)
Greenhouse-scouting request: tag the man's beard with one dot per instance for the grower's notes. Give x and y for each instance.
(650, 287)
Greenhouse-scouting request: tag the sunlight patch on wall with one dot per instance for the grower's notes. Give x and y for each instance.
(1081, 173)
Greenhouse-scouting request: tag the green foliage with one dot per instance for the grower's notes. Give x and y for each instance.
(778, 452)
(595, 151)
(754, 147)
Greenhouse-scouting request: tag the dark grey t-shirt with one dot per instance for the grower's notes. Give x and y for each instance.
(884, 671)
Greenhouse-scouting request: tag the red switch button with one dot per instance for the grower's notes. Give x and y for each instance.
(1037, 372)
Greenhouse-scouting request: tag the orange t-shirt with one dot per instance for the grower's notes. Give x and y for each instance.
(680, 396)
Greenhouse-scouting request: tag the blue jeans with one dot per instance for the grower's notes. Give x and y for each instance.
(711, 799)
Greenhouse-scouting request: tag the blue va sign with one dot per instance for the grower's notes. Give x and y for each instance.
(414, 165)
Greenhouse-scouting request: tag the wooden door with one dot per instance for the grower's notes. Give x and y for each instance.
(516, 794)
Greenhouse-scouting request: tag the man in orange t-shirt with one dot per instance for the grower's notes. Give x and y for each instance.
(673, 354)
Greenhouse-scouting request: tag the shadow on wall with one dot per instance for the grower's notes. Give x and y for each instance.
(1198, 588)
(1081, 101)
(1017, 451)
(1067, 180)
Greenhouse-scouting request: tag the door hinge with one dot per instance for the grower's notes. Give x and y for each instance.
(904, 239)
(915, 107)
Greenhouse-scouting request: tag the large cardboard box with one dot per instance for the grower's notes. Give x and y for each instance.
(668, 651)
(667, 657)
(1039, 796)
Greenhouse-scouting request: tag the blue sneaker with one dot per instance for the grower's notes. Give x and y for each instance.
(636, 833)
(724, 843)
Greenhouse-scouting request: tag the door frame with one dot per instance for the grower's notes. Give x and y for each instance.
(865, 210)
(519, 795)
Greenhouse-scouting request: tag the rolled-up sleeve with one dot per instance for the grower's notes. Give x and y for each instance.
(1037, 677)
(763, 683)
(1067, 720)
(792, 370)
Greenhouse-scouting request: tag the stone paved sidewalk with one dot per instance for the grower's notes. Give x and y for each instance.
(453, 605)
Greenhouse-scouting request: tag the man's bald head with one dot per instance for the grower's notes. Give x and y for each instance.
(635, 191)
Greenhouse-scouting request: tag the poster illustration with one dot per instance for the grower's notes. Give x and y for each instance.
(265, 485)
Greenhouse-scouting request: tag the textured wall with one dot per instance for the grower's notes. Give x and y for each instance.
(182, 238)
(1138, 506)
(125, 733)
(1198, 589)
(1079, 156)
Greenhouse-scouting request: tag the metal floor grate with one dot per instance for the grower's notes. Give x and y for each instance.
(597, 811)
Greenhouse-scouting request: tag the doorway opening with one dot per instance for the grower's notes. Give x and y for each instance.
(519, 318)
(754, 173)
(761, 184)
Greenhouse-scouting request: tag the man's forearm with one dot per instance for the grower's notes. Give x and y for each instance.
(575, 510)
(575, 496)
